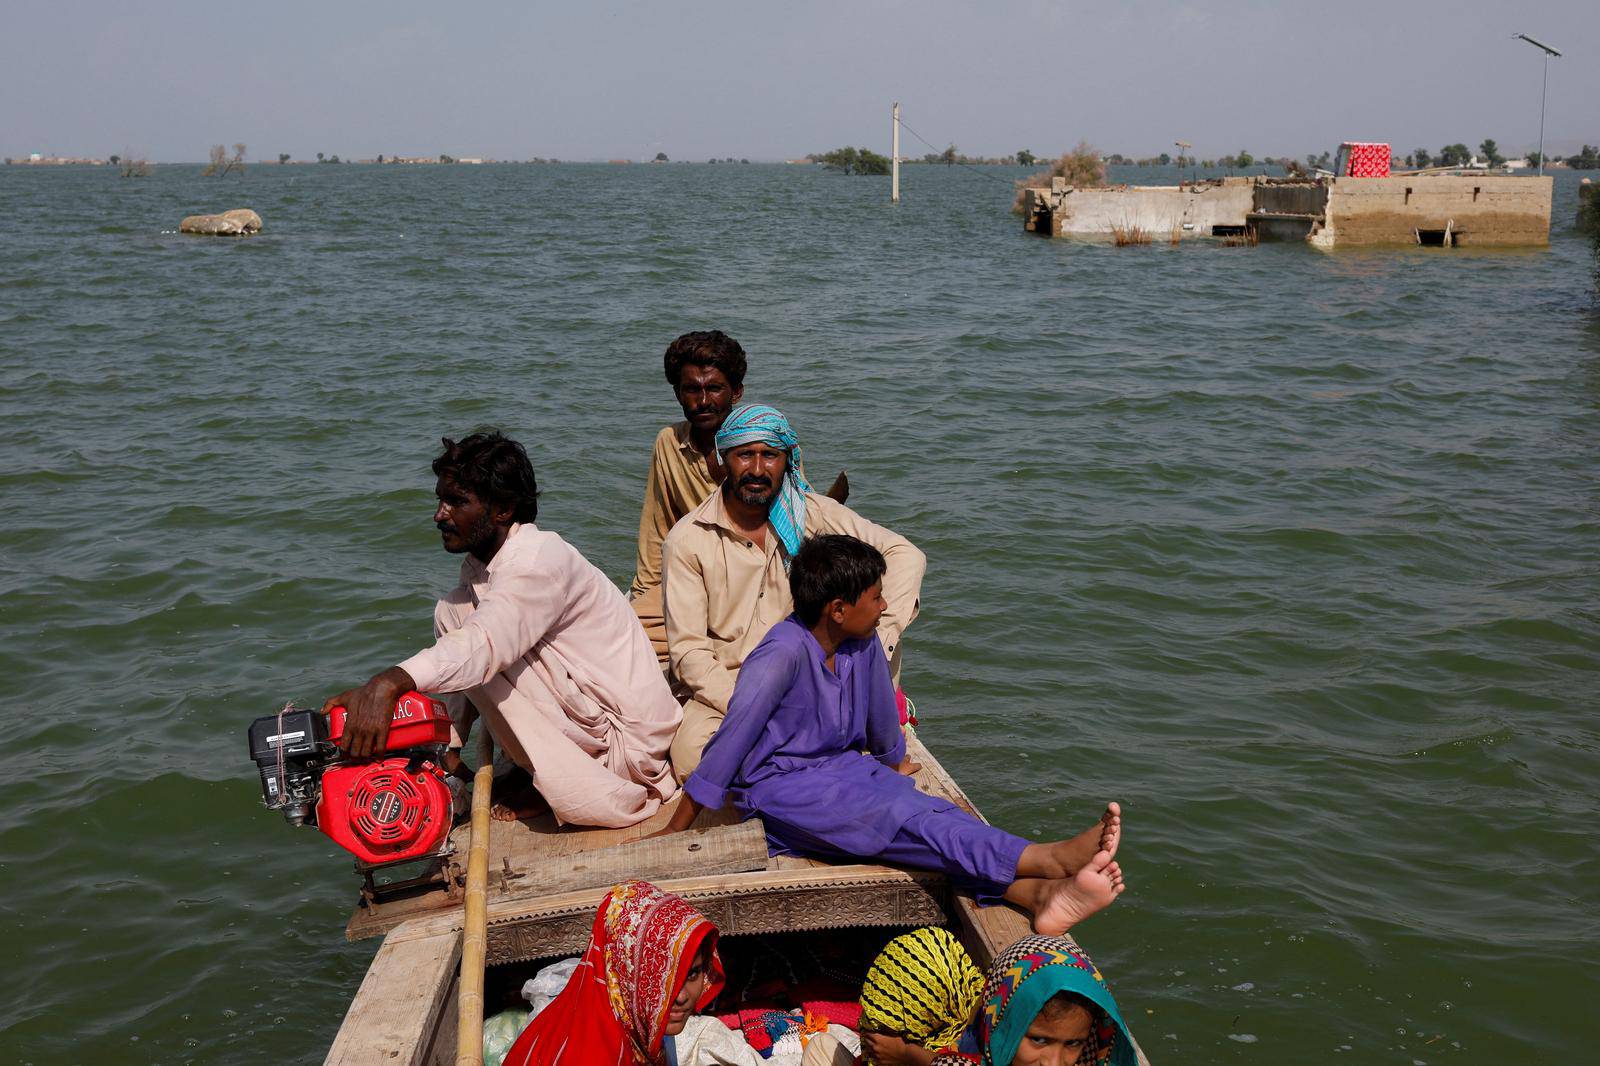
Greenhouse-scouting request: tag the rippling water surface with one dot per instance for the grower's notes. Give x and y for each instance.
(1294, 553)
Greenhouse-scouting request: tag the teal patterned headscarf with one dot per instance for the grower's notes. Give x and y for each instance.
(1024, 977)
(757, 423)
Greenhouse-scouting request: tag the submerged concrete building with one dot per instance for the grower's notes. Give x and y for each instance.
(1465, 210)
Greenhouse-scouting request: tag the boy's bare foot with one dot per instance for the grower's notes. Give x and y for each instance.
(1063, 858)
(1065, 903)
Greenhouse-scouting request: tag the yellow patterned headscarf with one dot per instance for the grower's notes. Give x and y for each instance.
(921, 987)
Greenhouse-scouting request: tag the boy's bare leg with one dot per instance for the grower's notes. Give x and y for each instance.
(1060, 903)
(1063, 858)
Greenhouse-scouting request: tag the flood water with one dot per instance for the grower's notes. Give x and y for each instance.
(1294, 553)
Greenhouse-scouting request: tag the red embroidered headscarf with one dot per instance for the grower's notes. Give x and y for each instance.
(614, 1010)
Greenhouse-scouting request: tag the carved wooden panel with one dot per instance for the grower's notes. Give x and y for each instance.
(764, 908)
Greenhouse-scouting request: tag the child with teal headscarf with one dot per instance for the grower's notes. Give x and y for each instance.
(1045, 1003)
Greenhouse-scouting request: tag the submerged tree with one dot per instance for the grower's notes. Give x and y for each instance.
(1082, 168)
(855, 161)
(221, 163)
(132, 166)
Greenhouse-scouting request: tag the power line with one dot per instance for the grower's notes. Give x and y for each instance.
(1008, 182)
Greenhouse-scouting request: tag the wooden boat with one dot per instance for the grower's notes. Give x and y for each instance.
(546, 883)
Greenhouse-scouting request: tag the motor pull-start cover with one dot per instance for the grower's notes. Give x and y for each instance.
(389, 810)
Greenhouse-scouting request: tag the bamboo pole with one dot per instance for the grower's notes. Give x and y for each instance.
(474, 929)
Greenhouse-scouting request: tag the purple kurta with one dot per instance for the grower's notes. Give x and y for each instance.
(791, 750)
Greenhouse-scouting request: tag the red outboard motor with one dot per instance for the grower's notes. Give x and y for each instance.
(389, 809)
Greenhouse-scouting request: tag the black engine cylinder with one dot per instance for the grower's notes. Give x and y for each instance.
(289, 749)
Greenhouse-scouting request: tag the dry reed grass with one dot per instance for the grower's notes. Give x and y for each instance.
(1125, 234)
(1248, 239)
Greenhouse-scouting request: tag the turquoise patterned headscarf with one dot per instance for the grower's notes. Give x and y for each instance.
(1027, 974)
(758, 423)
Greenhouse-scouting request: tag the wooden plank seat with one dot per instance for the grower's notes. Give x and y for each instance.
(536, 857)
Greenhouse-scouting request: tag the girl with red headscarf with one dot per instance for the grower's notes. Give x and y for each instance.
(651, 963)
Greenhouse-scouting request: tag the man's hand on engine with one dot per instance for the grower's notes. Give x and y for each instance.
(369, 709)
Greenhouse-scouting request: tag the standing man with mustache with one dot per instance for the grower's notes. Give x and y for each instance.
(543, 646)
(706, 371)
(725, 568)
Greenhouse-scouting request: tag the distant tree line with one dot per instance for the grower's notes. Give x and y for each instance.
(1237, 161)
(953, 155)
(865, 161)
(1586, 159)
(1458, 155)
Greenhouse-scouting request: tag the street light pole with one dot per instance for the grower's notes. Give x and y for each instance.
(1543, 88)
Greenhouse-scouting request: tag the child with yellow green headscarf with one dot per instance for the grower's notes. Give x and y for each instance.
(919, 998)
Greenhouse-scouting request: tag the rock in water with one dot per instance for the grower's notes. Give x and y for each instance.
(249, 221)
(210, 226)
(239, 222)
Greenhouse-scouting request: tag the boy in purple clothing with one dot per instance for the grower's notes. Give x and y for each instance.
(812, 744)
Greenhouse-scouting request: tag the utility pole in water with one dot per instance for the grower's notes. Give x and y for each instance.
(894, 158)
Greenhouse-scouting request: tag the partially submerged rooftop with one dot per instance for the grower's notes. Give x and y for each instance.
(1467, 210)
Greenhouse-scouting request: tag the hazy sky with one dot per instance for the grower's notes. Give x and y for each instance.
(768, 81)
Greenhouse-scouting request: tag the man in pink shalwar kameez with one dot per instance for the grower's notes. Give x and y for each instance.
(543, 646)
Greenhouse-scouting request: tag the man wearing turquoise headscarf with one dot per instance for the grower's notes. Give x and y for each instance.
(725, 569)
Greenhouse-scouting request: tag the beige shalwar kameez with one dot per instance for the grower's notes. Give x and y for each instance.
(679, 481)
(546, 648)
